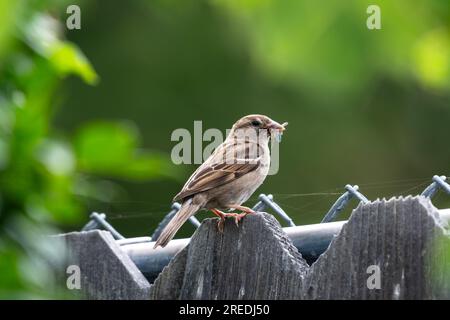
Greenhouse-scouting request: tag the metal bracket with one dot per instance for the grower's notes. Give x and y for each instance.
(433, 188)
(267, 201)
(98, 221)
(342, 201)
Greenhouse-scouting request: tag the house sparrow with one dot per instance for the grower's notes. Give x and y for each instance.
(229, 176)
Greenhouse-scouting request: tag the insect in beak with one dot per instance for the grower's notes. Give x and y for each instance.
(277, 129)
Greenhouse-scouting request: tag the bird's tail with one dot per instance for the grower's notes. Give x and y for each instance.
(186, 211)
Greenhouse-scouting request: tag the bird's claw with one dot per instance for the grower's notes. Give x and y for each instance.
(237, 217)
(236, 221)
(220, 225)
(245, 210)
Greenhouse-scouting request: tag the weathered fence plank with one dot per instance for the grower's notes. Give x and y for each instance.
(107, 273)
(394, 237)
(253, 261)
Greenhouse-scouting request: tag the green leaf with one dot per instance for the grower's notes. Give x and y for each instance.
(105, 146)
(108, 148)
(67, 59)
(43, 37)
(151, 166)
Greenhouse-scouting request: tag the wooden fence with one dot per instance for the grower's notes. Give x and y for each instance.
(388, 249)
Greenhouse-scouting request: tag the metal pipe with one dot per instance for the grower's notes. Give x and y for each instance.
(310, 240)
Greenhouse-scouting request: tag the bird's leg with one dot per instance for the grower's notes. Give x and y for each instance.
(238, 216)
(247, 210)
(221, 216)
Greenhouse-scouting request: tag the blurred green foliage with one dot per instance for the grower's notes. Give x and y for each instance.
(369, 107)
(440, 264)
(46, 179)
(111, 149)
(327, 47)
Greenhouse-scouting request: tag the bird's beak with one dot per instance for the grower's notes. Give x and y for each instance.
(276, 126)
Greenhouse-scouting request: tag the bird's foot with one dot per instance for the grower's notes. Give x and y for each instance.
(220, 225)
(247, 210)
(221, 222)
(237, 217)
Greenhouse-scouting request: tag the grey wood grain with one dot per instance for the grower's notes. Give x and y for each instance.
(253, 261)
(107, 273)
(398, 236)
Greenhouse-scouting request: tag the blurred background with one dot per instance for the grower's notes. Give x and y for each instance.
(86, 115)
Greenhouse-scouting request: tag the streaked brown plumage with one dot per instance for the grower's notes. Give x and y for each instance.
(229, 176)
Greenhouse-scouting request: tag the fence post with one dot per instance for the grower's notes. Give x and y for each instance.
(107, 273)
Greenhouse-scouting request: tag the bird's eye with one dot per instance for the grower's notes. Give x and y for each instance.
(256, 123)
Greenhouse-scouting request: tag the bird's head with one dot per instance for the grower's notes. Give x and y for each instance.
(259, 122)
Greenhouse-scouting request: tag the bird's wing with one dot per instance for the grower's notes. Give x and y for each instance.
(220, 168)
